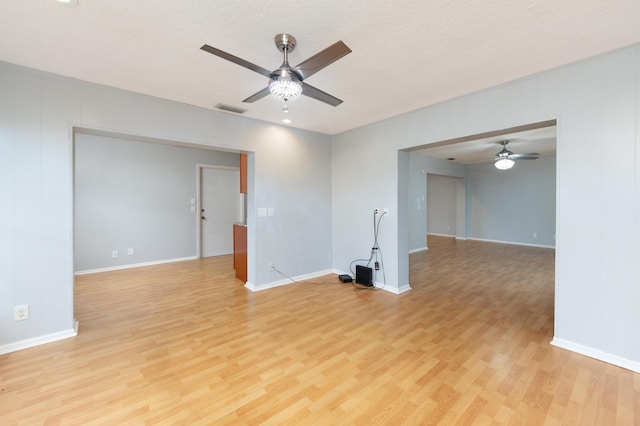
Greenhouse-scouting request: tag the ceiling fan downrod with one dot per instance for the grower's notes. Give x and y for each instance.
(285, 83)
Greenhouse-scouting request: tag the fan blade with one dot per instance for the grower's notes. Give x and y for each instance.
(319, 95)
(527, 156)
(229, 57)
(257, 96)
(322, 59)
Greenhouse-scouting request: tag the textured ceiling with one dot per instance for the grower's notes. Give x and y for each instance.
(406, 54)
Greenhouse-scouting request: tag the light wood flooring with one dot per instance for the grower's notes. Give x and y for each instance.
(186, 343)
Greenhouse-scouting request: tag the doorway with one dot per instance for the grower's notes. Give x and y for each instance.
(512, 207)
(445, 209)
(221, 205)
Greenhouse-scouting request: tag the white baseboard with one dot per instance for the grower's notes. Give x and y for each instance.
(395, 290)
(419, 250)
(381, 286)
(511, 242)
(597, 354)
(40, 340)
(285, 281)
(250, 286)
(491, 241)
(253, 287)
(134, 265)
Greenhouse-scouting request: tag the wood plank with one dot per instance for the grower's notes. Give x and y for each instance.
(186, 343)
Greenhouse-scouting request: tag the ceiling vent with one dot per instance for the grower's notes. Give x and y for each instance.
(229, 108)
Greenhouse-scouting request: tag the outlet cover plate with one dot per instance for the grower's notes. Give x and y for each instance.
(21, 313)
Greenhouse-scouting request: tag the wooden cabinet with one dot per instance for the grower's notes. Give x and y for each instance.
(240, 252)
(243, 173)
(240, 231)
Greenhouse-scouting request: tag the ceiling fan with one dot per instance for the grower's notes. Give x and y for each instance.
(505, 159)
(286, 82)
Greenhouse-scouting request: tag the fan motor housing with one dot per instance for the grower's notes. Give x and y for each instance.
(286, 42)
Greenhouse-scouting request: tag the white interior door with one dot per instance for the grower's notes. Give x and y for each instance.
(221, 208)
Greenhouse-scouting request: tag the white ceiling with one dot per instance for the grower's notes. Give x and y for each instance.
(406, 54)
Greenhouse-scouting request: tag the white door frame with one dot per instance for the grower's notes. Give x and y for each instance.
(199, 168)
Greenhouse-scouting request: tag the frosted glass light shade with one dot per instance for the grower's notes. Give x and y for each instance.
(504, 164)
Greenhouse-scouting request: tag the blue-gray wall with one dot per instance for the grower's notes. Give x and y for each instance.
(134, 194)
(441, 204)
(419, 167)
(502, 206)
(511, 205)
(290, 172)
(324, 189)
(596, 103)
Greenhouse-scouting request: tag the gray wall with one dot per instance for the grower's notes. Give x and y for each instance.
(290, 171)
(419, 167)
(133, 194)
(597, 105)
(322, 199)
(511, 205)
(503, 206)
(441, 204)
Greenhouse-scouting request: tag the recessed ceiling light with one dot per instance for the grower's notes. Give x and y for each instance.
(286, 121)
(68, 2)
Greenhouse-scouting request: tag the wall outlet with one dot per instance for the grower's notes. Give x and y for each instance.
(114, 254)
(21, 313)
(130, 251)
(534, 235)
(271, 266)
(386, 211)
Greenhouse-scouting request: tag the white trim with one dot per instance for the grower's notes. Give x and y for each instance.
(441, 235)
(198, 212)
(250, 286)
(286, 281)
(40, 340)
(512, 243)
(597, 354)
(339, 272)
(418, 249)
(381, 286)
(135, 265)
(395, 290)
(492, 241)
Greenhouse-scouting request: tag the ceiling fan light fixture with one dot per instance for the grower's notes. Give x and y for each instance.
(286, 83)
(285, 87)
(504, 164)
